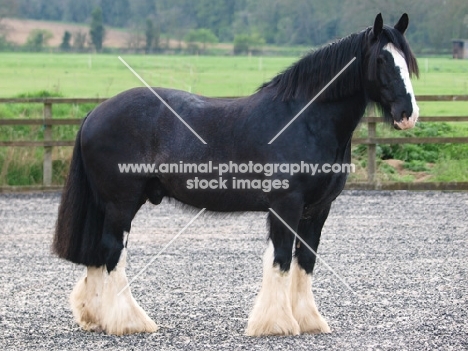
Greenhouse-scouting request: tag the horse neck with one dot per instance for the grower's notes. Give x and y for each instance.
(344, 99)
(342, 114)
(347, 94)
(342, 60)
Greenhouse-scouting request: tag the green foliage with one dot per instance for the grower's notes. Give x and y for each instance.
(23, 166)
(77, 11)
(60, 170)
(5, 45)
(248, 43)
(97, 31)
(416, 152)
(444, 162)
(65, 44)
(409, 152)
(37, 39)
(152, 36)
(40, 94)
(216, 16)
(454, 152)
(450, 170)
(241, 44)
(203, 36)
(280, 22)
(116, 13)
(386, 168)
(79, 41)
(22, 173)
(416, 166)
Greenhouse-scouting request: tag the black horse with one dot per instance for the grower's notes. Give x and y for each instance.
(100, 199)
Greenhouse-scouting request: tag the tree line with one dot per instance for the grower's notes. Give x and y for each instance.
(254, 22)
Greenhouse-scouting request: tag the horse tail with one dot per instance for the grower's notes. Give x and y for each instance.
(80, 222)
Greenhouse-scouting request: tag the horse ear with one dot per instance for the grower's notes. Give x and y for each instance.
(402, 24)
(378, 26)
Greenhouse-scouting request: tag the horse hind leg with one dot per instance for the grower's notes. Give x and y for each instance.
(98, 302)
(121, 314)
(86, 299)
(272, 312)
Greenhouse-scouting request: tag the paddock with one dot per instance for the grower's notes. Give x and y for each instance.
(404, 254)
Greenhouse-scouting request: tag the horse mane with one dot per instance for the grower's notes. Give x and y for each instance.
(394, 37)
(305, 78)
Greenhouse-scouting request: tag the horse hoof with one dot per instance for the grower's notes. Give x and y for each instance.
(313, 324)
(99, 303)
(283, 328)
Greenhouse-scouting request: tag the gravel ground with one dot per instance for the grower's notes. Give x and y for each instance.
(404, 253)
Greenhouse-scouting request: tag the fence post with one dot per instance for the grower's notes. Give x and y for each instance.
(371, 148)
(47, 165)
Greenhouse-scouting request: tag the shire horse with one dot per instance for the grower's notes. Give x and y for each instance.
(99, 202)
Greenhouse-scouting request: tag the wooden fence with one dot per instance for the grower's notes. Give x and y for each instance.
(371, 141)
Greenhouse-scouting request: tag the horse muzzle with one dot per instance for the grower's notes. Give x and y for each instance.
(405, 123)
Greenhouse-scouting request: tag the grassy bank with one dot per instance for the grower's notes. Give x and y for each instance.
(75, 75)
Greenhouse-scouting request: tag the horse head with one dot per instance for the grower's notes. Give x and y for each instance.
(390, 65)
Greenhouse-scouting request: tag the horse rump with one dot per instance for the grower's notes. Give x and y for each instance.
(80, 221)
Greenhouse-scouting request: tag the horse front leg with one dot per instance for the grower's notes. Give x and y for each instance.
(272, 312)
(303, 303)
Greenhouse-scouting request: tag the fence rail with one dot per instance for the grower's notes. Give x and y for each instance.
(371, 141)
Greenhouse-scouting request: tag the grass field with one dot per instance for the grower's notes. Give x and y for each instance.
(85, 75)
(89, 75)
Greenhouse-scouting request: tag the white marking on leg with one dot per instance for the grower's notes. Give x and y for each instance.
(303, 303)
(272, 312)
(86, 299)
(121, 314)
(313, 251)
(400, 62)
(97, 306)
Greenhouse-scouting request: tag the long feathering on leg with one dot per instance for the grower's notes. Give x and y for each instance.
(303, 303)
(97, 306)
(272, 313)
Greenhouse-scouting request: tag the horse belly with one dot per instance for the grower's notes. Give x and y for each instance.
(215, 194)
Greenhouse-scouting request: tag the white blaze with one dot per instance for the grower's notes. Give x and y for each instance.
(400, 62)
